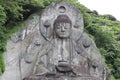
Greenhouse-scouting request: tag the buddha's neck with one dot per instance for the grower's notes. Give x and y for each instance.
(62, 40)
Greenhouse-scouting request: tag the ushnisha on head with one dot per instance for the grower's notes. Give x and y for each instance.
(62, 26)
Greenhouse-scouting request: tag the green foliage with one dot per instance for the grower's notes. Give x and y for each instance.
(12, 9)
(106, 34)
(2, 38)
(2, 16)
(2, 64)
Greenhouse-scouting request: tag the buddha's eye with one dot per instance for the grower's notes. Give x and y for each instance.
(67, 25)
(58, 26)
(62, 24)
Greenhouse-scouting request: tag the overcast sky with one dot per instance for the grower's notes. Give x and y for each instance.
(104, 6)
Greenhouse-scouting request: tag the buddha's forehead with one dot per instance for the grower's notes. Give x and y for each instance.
(62, 19)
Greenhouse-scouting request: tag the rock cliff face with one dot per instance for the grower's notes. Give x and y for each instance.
(53, 46)
(22, 50)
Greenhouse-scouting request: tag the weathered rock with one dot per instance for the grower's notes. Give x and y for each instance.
(53, 46)
(60, 78)
(22, 50)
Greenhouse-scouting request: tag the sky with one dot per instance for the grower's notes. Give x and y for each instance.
(104, 6)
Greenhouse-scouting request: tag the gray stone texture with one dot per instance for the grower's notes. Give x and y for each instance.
(53, 46)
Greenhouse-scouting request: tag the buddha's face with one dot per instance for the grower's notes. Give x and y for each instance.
(63, 30)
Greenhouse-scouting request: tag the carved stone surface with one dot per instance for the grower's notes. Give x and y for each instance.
(53, 46)
(67, 49)
(38, 77)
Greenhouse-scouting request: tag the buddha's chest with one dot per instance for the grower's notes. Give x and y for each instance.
(61, 52)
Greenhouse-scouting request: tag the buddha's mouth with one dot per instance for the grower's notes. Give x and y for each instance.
(63, 67)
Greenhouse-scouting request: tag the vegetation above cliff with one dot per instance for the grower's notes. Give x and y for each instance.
(104, 29)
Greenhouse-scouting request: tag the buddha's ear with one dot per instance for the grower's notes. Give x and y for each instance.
(47, 24)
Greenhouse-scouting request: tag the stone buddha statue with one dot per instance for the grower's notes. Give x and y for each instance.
(61, 50)
(66, 50)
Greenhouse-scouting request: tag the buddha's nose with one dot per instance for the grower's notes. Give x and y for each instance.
(62, 29)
